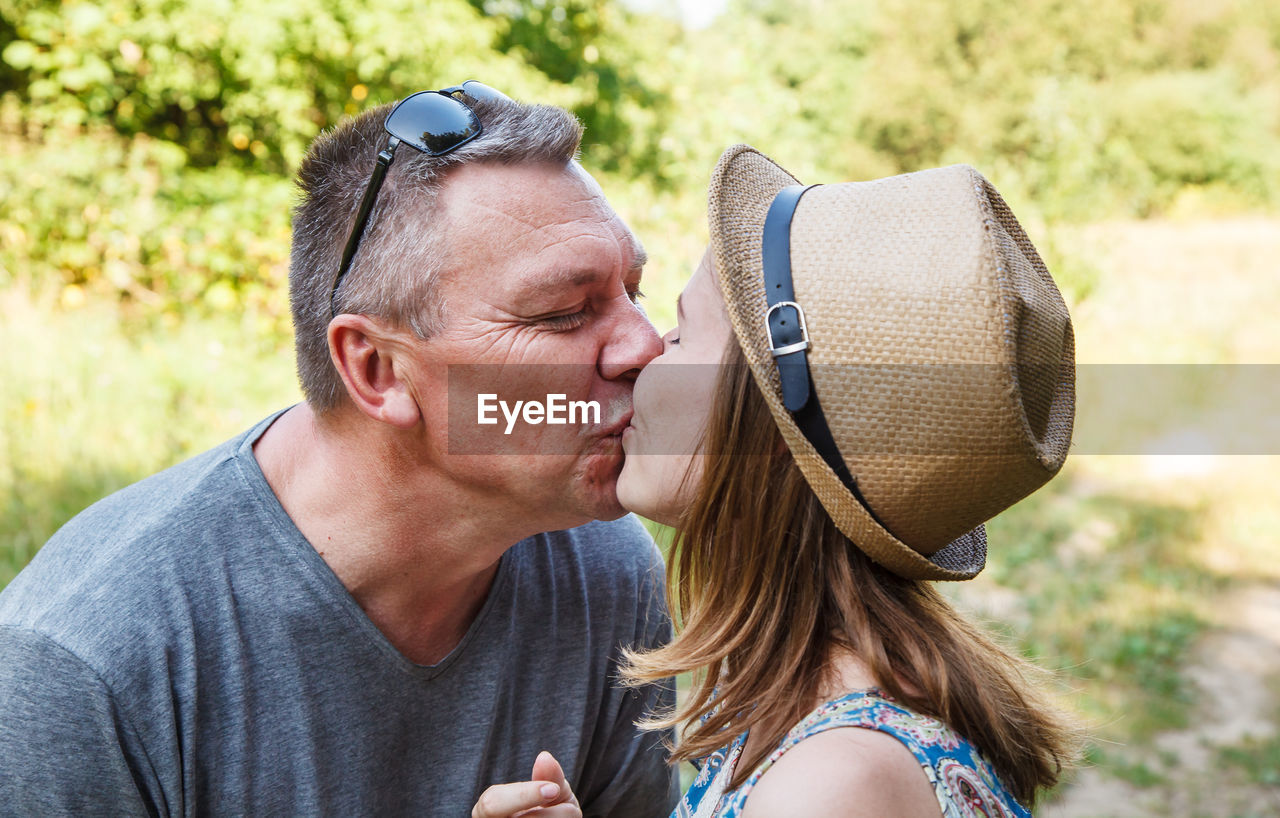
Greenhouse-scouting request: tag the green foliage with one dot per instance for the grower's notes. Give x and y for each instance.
(1082, 110)
(96, 213)
(149, 144)
(234, 79)
(593, 47)
(1131, 145)
(1259, 758)
(256, 81)
(1137, 773)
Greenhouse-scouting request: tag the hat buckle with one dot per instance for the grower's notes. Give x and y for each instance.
(796, 346)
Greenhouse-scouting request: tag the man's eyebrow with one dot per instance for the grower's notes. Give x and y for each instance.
(561, 277)
(641, 257)
(680, 307)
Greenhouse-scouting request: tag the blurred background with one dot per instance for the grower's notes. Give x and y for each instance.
(145, 195)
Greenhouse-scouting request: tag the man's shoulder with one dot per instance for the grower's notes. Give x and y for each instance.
(145, 507)
(108, 574)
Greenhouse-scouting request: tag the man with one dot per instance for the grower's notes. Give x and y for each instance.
(334, 613)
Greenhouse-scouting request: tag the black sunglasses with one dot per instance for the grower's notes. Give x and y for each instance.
(434, 122)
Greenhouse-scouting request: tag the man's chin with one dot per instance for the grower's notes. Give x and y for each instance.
(599, 483)
(612, 512)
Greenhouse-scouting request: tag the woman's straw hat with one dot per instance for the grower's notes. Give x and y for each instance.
(940, 351)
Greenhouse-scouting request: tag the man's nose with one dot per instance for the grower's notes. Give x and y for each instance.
(632, 343)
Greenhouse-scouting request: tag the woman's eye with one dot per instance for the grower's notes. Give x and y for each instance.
(635, 296)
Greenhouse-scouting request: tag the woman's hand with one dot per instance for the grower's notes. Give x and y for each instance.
(547, 796)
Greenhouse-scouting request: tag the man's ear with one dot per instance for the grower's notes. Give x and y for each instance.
(365, 352)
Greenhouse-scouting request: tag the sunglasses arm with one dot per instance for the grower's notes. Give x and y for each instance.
(362, 216)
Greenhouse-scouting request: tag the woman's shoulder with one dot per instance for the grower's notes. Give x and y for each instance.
(865, 754)
(845, 772)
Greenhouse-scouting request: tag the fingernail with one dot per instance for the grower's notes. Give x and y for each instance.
(549, 791)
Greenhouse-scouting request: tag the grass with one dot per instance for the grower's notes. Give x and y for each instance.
(1258, 758)
(93, 403)
(1138, 773)
(1105, 588)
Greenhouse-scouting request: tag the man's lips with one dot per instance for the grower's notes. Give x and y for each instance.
(620, 425)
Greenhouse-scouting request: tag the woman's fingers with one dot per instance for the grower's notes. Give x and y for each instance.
(548, 795)
(546, 768)
(558, 811)
(506, 800)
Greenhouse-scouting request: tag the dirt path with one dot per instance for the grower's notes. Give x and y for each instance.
(1235, 670)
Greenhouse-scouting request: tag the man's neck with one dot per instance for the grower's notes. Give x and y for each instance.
(419, 569)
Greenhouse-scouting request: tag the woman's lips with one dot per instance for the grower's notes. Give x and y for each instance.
(619, 427)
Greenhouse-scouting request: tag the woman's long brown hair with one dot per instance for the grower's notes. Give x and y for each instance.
(769, 592)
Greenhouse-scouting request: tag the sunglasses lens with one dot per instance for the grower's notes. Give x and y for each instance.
(432, 123)
(482, 93)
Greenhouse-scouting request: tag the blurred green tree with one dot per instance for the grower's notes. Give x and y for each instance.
(133, 128)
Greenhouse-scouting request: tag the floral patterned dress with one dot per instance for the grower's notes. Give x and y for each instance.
(964, 783)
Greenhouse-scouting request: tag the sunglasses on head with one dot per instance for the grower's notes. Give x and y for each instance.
(434, 122)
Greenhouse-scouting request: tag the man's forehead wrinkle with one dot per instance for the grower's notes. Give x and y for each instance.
(528, 199)
(532, 220)
(579, 243)
(504, 213)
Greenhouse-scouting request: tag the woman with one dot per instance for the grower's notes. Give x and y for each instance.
(861, 375)
(920, 315)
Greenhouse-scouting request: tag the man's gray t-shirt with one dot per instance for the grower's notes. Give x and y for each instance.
(179, 648)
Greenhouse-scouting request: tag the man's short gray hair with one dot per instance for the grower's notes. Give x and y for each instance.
(402, 252)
